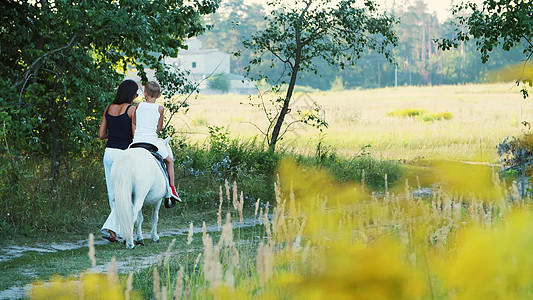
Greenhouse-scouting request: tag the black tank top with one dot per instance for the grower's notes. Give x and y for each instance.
(119, 130)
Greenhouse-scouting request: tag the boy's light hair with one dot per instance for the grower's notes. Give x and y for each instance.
(152, 89)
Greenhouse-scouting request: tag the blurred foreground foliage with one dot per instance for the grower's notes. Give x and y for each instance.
(326, 238)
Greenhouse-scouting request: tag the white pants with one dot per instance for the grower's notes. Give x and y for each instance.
(112, 223)
(110, 155)
(159, 143)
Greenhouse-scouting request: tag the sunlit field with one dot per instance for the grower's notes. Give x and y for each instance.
(482, 116)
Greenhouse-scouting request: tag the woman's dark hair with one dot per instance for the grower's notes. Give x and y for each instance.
(126, 92)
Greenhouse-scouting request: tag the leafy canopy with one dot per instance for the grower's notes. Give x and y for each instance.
(508, 23)
(299, 32)
(339, 32)
(60, 62)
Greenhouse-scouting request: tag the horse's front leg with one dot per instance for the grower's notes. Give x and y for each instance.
(138, 233)
(155, 219)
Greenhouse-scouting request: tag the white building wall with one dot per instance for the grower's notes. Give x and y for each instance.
(206, 62)
(193, 44)
(217, 62)
(202, 62)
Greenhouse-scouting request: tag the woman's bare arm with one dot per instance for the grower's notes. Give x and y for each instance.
(102, 132)
(133, 122)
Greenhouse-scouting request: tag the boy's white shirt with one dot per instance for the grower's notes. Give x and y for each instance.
(146, 121)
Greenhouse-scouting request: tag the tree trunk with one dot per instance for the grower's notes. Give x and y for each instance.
(54, 141)
(285, 109)
(294, 75)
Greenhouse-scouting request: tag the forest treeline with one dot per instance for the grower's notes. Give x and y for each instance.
(418, 59)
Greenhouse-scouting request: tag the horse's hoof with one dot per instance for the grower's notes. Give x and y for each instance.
(130, 246)
(156, 241)
(139, 242)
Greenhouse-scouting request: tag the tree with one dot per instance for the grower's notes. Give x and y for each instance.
(61, 60)
(496, 22)
(296, 33)
(219, 82)
(233, 22)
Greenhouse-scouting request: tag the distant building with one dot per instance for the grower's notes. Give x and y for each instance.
(205, 63)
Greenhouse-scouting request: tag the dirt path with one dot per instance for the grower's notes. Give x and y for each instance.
(126, 265)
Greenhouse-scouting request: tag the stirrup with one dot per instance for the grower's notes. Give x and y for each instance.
(169, 202)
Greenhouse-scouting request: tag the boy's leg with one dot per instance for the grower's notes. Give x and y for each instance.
(170, 170)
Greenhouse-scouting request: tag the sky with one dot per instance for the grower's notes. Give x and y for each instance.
(441, 7)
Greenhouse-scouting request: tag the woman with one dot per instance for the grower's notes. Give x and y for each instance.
(117, 128)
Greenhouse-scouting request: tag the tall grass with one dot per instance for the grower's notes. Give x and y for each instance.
(34, 204)
(329, 240)
(326, 239)
(339, 223)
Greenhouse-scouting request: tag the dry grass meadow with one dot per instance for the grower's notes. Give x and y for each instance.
(482, 116)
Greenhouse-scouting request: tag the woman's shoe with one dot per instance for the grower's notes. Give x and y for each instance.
(112, 237)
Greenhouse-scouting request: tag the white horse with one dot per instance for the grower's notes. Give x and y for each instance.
(137, 180)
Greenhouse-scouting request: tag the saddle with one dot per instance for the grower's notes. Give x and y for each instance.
(169, 202)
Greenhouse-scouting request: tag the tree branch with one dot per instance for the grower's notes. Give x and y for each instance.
(288, 127)
(297, 29)
(263, 133)
(527, 40)
(319, 32)
(27, 73)
(275, 53)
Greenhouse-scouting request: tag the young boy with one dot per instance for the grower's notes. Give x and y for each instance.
(148, 121)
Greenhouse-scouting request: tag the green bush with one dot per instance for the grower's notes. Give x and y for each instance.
(201, 169)
(444, 115)
(350, 169)
(33, 203)
(407, 112)
(421, 114)
(219, 82)
(427, 118)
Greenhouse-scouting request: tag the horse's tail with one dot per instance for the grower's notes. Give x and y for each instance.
(122, 176)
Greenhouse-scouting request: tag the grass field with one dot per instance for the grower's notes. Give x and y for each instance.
(469, 238)
(324, 240)
(482, 116)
